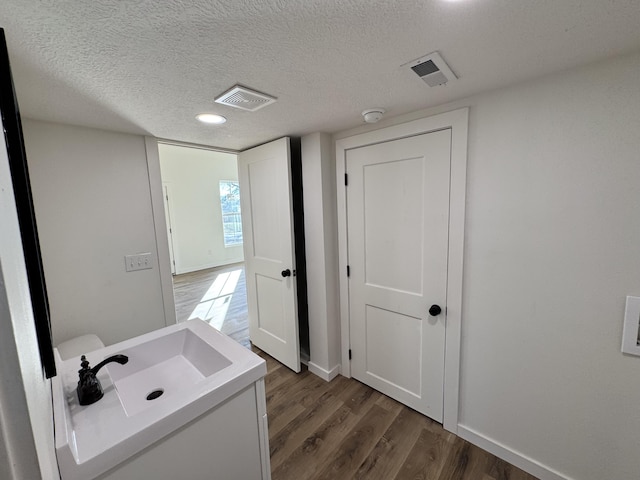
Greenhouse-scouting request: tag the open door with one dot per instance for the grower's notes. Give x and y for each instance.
(267, 221)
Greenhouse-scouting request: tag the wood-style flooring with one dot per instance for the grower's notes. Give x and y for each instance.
(343, 429)
(216, 295)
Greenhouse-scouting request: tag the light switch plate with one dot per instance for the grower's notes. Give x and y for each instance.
(140, 261)
(630, 341)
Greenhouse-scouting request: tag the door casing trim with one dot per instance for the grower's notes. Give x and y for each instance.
(457, 121)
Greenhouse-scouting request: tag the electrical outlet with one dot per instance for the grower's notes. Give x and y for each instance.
(140, 261)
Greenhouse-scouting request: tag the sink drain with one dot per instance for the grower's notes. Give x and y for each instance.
(155, 394)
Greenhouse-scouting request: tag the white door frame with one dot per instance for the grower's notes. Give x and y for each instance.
(457, 121)
(166, 189)
(160, 227)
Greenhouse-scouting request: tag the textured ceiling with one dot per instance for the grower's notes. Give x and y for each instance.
(149, 66)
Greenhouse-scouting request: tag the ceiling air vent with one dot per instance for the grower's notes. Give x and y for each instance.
(432, 69)
(245, 98)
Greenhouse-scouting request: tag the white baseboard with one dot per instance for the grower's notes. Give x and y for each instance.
(196, 268)
(505, 453)
(326, 375)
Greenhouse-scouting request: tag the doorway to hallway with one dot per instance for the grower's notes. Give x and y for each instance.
(216, 295)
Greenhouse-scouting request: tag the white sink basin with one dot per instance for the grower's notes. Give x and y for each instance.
(194, 366)
(170, 365)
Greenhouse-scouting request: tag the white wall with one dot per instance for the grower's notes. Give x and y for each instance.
(551, 251)
(26, 417)
(93, 206)
(193, 177)
(318, 174)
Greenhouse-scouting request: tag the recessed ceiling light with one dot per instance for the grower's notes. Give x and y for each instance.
(211, 118)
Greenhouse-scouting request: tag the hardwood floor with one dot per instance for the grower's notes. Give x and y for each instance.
(216, 295)
(343, 429)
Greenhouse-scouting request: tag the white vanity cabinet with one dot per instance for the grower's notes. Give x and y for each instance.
(228, 443)
(209, 422)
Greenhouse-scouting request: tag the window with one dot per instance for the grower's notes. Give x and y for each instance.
(231, 219)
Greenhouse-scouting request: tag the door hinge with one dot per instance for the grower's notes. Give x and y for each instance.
(346, 179)
(348, 271)
(349, 354)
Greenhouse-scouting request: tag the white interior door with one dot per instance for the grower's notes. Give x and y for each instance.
(398, 216)
(264, 174)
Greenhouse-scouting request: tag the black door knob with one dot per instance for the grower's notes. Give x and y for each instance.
(286, 273)
(435, 310)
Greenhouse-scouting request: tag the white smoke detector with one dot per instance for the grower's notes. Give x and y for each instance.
(245, 98)
(373, 115)
(432, 69)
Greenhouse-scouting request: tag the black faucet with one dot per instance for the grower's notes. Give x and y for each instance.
(89, 388)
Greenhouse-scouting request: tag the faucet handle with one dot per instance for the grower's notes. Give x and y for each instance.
(84, 364)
